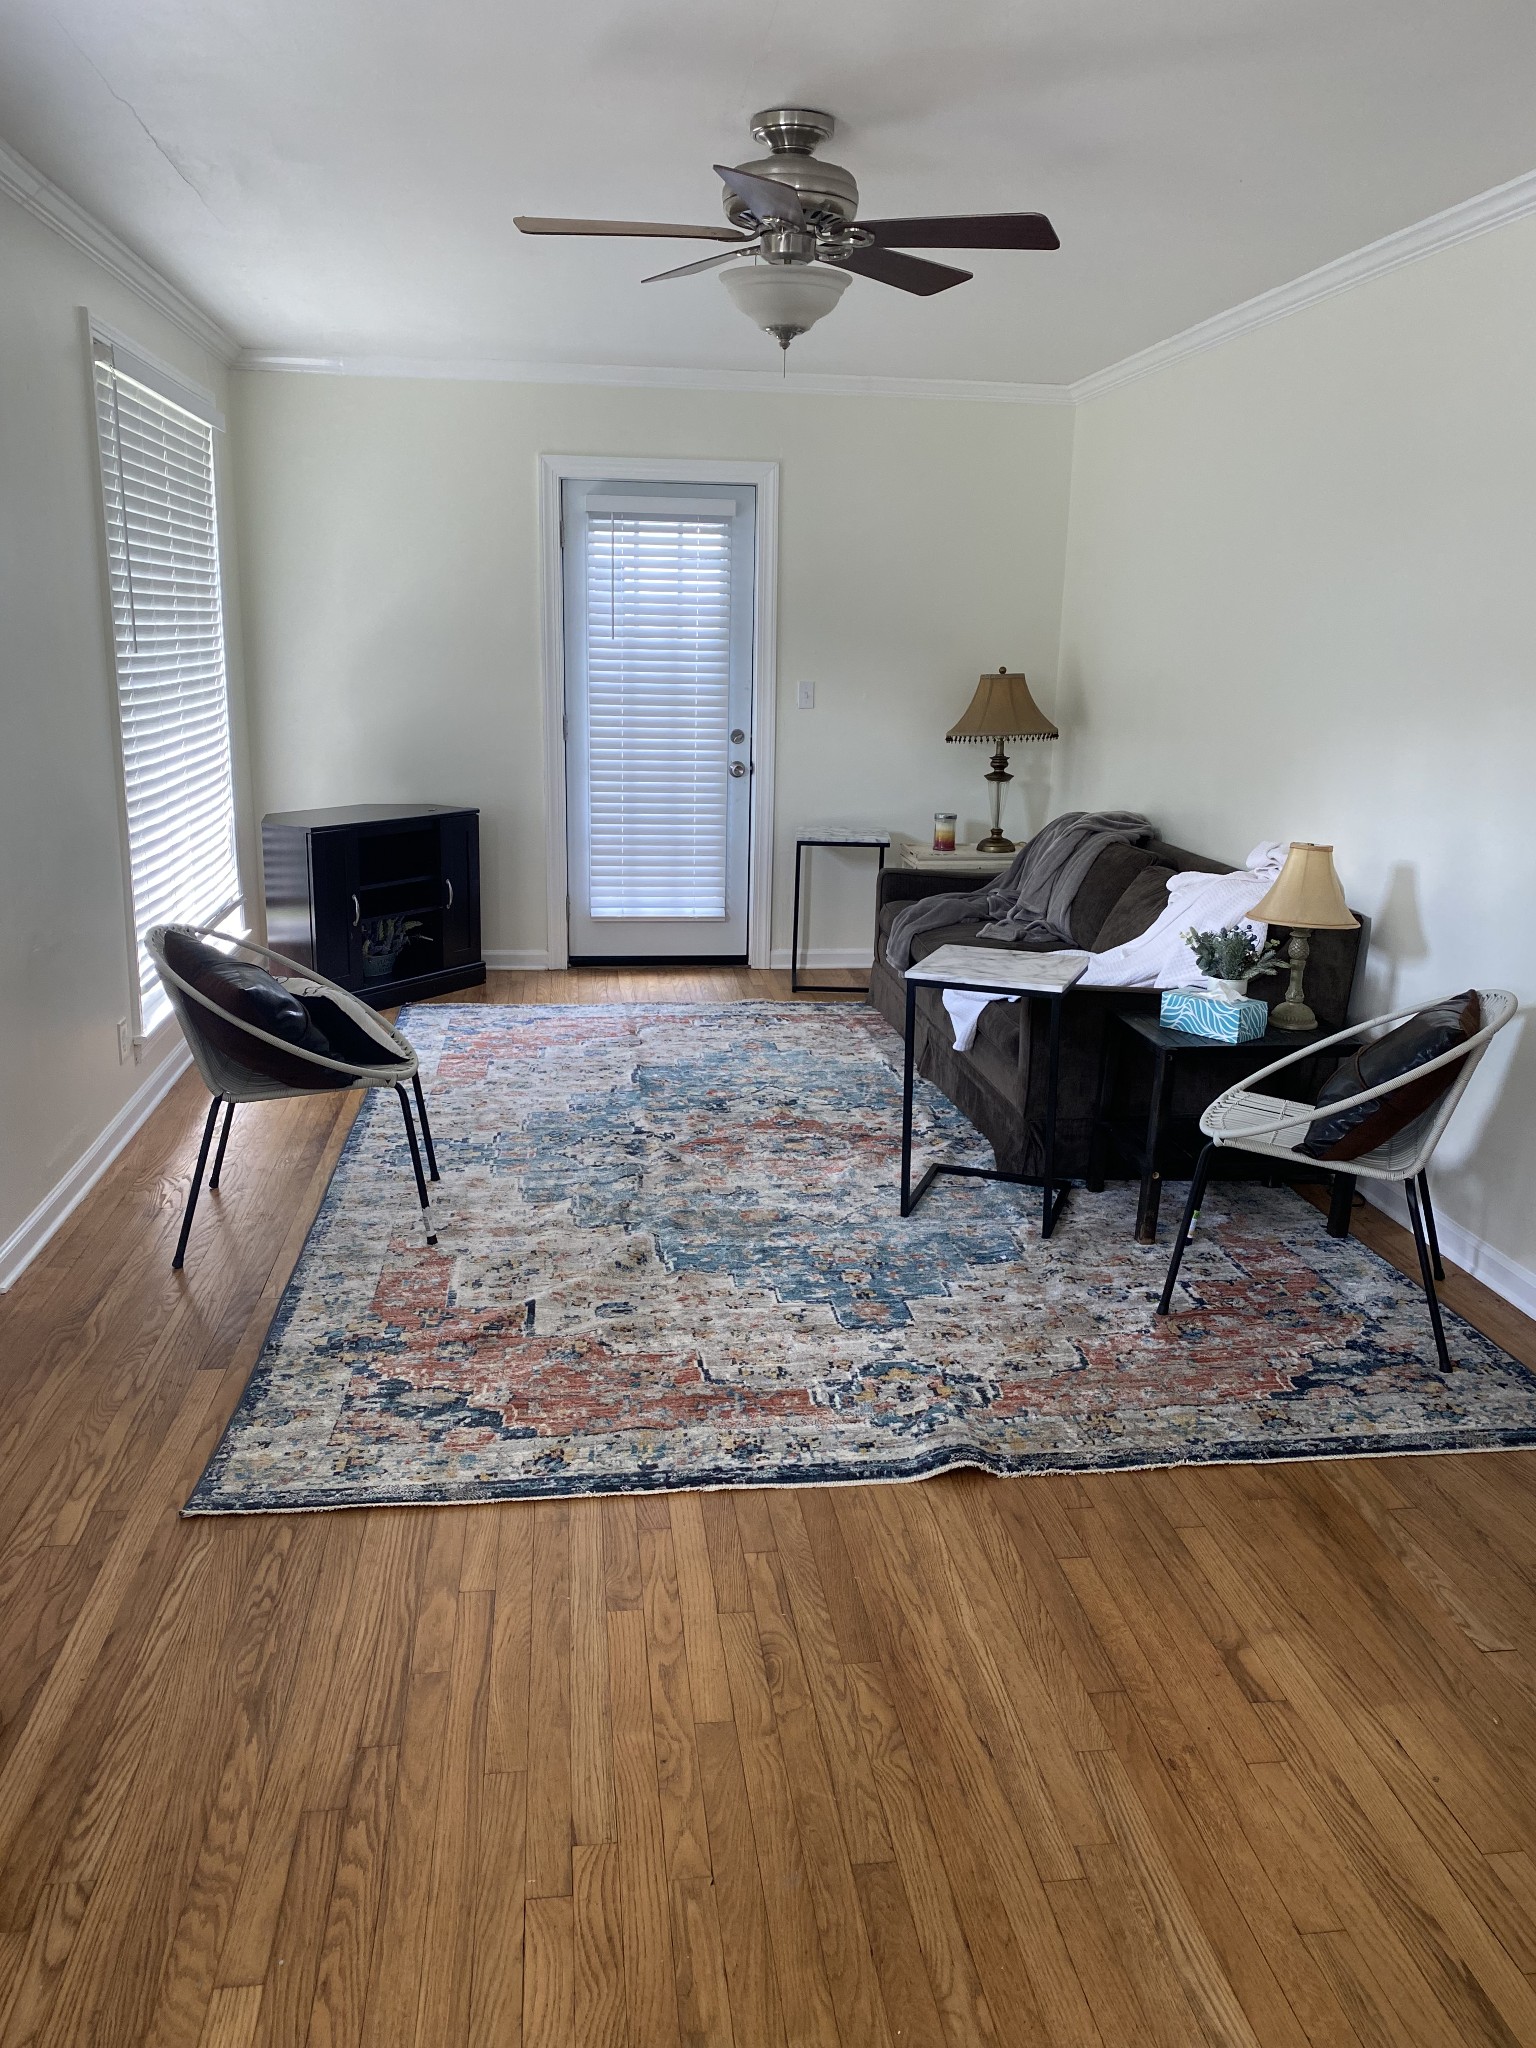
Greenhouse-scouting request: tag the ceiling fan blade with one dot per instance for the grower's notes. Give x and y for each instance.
(769, 198)
(704, 263)
(668, 230)
(907, 273)
(965, 231)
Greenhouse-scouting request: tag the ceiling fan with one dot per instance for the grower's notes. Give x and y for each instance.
(797, 213)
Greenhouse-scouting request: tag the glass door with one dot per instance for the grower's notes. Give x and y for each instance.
(658, 706)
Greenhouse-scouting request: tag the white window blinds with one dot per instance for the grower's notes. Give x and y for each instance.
(168, 633)
(658, 649)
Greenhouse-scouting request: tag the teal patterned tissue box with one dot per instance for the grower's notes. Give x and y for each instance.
(1203, 1015)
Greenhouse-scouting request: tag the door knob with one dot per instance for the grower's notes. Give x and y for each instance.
(738, 769)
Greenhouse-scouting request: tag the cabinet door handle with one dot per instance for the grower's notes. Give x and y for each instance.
(448, 882)
(357, 913)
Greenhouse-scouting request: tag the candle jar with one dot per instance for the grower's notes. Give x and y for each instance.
(944, 831)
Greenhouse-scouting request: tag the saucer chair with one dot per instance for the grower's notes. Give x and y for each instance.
(258, 1037)
(1297, 1132)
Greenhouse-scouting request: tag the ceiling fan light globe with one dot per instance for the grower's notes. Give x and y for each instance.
(779, 297)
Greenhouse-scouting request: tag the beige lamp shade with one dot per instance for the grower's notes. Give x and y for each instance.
(1307, 893)
(1002, 709)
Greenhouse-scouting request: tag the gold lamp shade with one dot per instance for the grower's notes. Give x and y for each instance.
(1002, 709)
(1307, 892)
(1306, 895)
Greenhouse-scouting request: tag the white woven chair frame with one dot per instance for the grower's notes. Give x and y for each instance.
(1276, 1114)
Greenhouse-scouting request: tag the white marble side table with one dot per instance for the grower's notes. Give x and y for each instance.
(990, 971)
(827, 835)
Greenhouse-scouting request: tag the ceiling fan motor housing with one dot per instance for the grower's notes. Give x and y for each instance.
(827, 192)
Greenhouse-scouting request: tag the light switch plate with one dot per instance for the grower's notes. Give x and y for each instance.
(805, 696)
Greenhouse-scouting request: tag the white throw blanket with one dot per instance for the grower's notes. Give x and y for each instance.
(1159, 956)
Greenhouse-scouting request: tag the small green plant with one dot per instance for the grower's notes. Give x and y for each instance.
(384, 940)
(1232, 954)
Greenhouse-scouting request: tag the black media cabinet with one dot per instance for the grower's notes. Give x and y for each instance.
(331, 876)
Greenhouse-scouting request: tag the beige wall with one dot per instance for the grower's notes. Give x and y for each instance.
(63, 928)
(1300, 602)
(390, 541)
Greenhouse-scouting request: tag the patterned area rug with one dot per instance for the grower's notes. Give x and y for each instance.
(670, 1256)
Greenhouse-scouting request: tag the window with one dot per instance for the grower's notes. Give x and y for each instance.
(162, 539)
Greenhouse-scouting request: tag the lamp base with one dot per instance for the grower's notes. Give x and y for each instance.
(1293, 1017)
(995, 843)
(1295, 1013)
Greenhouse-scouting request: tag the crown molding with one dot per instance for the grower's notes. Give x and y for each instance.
(619, 376)
(1459, 223)
(45, 202)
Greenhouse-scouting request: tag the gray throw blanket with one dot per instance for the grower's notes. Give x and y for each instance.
(1032, 900)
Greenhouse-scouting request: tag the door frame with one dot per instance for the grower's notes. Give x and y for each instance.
(658, 469)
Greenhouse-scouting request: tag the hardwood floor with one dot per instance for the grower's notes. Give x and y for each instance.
(1236, 1755)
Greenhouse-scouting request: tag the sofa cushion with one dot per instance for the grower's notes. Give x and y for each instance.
(1102, 887)
(1354, 1132)
(959, 935)
(1139, 905)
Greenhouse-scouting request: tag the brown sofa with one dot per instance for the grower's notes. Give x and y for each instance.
(1000, 1082)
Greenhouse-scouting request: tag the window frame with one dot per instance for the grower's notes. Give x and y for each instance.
(177, 389)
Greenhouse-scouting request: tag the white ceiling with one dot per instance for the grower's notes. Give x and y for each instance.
(339, 176)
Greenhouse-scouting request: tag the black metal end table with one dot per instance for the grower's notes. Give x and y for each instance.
(989, 971)
(827, 835)
(1125, 1027)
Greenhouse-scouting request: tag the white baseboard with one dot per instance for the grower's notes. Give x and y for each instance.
(824, 956)
(516, 961)
(1514, 1282)
(28, 1239)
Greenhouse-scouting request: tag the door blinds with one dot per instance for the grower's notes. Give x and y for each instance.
(658, 649)
(168, 635)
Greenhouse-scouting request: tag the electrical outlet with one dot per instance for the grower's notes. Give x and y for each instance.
(805, 696)
(124, 1042)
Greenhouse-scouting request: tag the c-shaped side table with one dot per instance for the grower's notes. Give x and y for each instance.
(990, 971)
(826, 835)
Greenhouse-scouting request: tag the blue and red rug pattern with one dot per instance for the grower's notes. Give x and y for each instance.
(670, 1256)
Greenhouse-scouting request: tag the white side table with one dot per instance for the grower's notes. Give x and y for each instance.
(827, 835)
(989, 971)
(965, 860)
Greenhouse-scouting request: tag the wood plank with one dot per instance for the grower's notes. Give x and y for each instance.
(549, 1976)
(549, 1706)
(931, 1898)
(708, 1684)
(845, 1945)
(591, 1766)
(598, 1943)
(805, 2000)
(745, 1940)
(496, 1983)
(351, 1914)
(650, 1994)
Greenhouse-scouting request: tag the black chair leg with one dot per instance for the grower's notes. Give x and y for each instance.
(1427, 1272)
(1341, 1201)
(426, 1129)
(1187, 1224)
(421, 1185)
(1429, 1225)
(218, 1157)
(197, 1182)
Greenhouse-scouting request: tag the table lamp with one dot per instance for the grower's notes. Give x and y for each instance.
(1307, 896)
(1002, 709)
